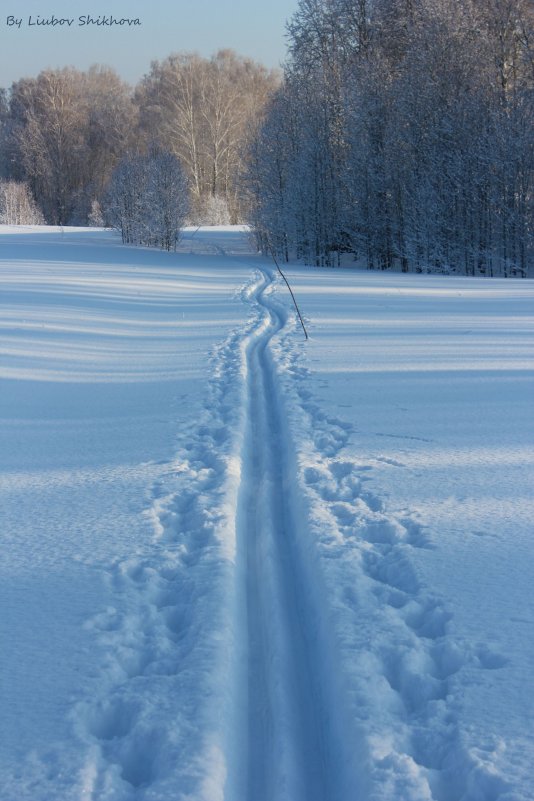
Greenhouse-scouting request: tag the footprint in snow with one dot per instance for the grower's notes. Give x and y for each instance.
(489, 658)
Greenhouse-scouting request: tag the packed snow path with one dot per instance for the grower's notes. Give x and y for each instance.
(290, 752)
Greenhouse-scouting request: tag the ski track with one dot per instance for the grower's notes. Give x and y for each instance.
(293, 751)
(273, 641)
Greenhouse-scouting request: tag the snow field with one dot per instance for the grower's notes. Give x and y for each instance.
(107, 693)
(290, 581)
(418, 655)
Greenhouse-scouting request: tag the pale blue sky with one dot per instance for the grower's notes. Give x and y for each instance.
(253, 28)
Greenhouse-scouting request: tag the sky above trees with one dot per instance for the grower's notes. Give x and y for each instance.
(251, 27)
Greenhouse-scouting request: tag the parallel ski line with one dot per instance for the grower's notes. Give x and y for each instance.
(290, 755)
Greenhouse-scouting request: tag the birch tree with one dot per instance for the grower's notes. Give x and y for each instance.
(202, 110)
(67, 131)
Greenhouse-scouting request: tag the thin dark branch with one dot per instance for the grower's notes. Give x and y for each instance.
(290, 290)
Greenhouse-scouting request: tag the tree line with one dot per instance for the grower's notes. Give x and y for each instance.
(402, 135)
(69, 139)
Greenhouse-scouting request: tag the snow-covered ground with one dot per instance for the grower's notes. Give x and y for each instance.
(241, 566)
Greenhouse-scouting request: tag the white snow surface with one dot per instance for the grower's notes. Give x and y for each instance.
(238, 566)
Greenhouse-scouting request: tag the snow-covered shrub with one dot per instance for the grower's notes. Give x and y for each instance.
(147, 199)
(95, 217)
(213, 210)
(17, 206)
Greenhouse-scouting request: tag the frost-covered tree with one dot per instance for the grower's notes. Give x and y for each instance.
(166, 199)
(202, 110)
(215, 210)
(4, 127)
(403, 133)
(271, 181)
(147, 199)
(299, 159)
(66, 131)
(95, 217)
(17, 206)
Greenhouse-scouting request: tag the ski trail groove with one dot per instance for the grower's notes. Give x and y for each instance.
(287, 724)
